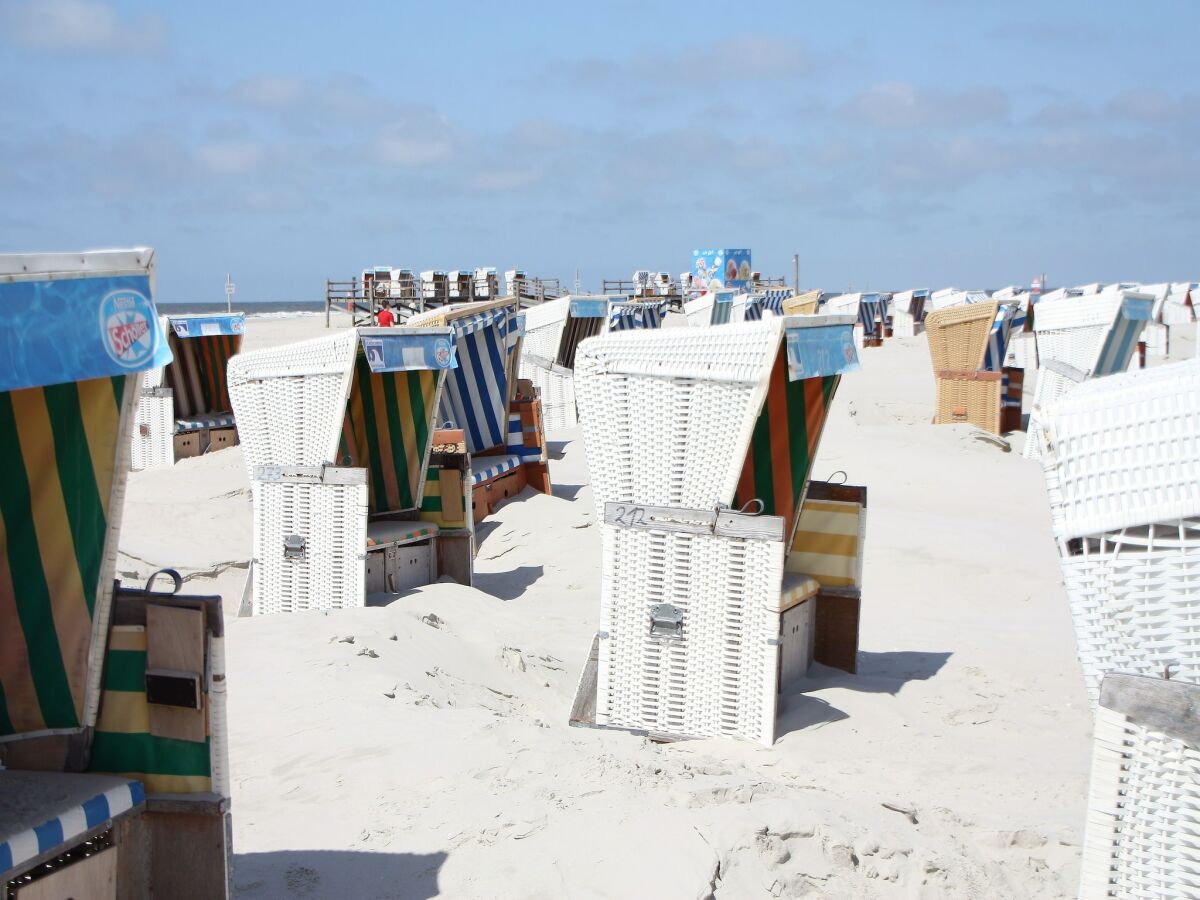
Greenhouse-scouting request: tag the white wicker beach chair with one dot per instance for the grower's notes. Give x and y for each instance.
(337, 434)
(1122, 465)
(680, 434)
(1080, 337)
(553, 332)
(1142, 838)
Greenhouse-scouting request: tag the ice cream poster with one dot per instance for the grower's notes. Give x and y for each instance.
(715, 269)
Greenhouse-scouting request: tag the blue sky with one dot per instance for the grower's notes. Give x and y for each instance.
(890, 144)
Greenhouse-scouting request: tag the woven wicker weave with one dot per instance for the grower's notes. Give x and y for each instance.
(958, 336)
(1142, 838)
(152, 442)
(802, 304)
(1122, 466)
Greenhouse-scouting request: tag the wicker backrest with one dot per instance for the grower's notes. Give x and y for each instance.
(958, 336)
(1125, 451)
(290, 400)
(802, 304)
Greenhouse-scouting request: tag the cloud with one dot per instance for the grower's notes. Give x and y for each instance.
(737, 59)
(406, 148)
(905, 106)
(230, 157)
(82, 25)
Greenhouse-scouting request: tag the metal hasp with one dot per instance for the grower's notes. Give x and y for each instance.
(293, 547)
(666, 621)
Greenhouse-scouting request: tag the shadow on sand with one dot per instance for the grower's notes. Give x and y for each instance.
(878, 673)
(318, 874)
(566, 491)
(556, 449)
(508, 585)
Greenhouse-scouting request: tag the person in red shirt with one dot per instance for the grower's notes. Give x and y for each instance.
(385, 317)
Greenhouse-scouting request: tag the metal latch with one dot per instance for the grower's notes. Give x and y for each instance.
(293, 547)
(666, 621)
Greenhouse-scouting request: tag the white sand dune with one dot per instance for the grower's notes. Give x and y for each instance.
(422, 748)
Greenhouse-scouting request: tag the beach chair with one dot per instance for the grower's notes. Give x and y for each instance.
(804, 304)
(870, 312)
(184, 409)
(503, 431)
(1081, 337)
(764, 303)
(113, 745)
(700, 444)
(1121, 457)
(908, 312)
(711, 308)
(967, 345)
(553, 333)
(1142, 836)
(338, 435)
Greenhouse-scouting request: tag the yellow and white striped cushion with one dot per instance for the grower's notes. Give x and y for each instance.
(828, 543)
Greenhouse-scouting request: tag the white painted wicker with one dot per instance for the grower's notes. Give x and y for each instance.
(332, 521)
(719, 679)
(1069, 330)
(289, 401)
(556, 388)
(1142, 837)
(152, 439)
(1122, 466)
(667, 414)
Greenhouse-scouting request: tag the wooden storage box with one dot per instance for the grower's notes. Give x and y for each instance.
(187, 444)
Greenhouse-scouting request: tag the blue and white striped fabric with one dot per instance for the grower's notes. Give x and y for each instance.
(485, 468)
(997, 344)
(1006, 400)
(516, 441)
(872, 308)
(630, 316)
(1121, 340)
(67, 825)
(217, 420)
(475, 398)
(773, 299)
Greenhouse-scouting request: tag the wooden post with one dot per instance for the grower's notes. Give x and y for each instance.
(327, 302)
(796, 272)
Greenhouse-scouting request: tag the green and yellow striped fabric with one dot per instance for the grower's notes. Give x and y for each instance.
(58, 447)
(387, 431)
(122, 743)
(784, 442)
(431, 503)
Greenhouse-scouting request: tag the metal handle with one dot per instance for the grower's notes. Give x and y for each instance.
(666, 620)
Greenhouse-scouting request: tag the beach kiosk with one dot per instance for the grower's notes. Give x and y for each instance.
(339, 438)
(183, 408)
(113, 761)
(501, 427)
(725, 571)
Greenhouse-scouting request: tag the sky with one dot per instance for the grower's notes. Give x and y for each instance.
(890, 145)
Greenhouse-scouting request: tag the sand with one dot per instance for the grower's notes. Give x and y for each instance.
(422, 748)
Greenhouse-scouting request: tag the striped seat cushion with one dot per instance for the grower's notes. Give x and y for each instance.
(47, 811)
(518, 434)
(389, 532)
(797, 587)
(485, 468)
(215, 420)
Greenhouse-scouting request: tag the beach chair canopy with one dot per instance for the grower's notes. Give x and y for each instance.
(707, 419)
(869, 309)
(958, 336)
(202, 346)
(67, 386)
(770, 301)
(554, 329)
(364, 398)
(911, 302)
(626, 315)
(478, 391)
(804, 304)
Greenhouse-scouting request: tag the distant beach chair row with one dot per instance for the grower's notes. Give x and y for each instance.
(115, 779)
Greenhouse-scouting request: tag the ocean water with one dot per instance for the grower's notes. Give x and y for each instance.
(272, 308)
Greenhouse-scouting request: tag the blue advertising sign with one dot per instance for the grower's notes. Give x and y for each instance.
(584, 308)
(819, 351)
(204, 326)
(714, 269)
(393, 350)
(75, 329)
